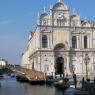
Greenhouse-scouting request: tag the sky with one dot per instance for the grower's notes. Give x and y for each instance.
(18, 17)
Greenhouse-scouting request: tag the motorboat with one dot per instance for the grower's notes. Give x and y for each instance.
(51, 80)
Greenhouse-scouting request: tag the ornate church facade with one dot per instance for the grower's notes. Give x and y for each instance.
(62, 43)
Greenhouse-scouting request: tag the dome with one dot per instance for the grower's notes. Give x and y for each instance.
(60, 6)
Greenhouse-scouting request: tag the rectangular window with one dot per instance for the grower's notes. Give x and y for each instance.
(44, 41)
(85, 41)
(74, 42)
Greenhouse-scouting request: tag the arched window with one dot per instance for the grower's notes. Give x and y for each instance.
(44, 22)
(59, 22)
(85, 41)
(74, 42)
(44, 41)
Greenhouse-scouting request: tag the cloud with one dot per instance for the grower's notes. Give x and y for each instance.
(5, 22)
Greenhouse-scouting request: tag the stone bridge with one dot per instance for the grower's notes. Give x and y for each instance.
(30, 74)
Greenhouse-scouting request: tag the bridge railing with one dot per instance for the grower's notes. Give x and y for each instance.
(30, 74)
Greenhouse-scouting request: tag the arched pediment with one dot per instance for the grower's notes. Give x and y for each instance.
(74, 16)
(75, 20)
(59, 47)
(85, 24)
(44, 18)
(93, 25)
(44, 15)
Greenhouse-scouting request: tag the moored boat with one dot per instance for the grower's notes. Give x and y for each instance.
(63, 85)
(1, 76)
(37, 82)
(51, 80)
(21, 78)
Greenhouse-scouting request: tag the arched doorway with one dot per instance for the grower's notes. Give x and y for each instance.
(59, 65)
(59, 58)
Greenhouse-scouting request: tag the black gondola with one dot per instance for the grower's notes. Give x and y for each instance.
(37, 82)
(21, 78)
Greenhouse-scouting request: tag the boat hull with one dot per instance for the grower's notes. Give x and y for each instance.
(21, 78)
(37, 82)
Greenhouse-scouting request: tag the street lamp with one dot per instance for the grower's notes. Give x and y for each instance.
(86, 61)
(94, 67)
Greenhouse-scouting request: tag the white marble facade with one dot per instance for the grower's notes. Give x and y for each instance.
(60, 42)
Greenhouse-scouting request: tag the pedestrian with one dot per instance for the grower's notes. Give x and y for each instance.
(83, 83)
(74, 79)
(67, 75)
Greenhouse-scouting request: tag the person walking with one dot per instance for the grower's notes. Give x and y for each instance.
(74, 79)
(83, 84)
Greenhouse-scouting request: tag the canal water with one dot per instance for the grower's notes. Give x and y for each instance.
(9, 86)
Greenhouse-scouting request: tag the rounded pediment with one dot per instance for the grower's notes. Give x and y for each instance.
(75, 20)
(59, 47)
(93, 25)
(73, 16)
(85, 24)
(44, 18)
(44, 15)
(60, 6)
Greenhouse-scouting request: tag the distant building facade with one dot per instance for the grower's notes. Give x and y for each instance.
(61, 43)
(3, 62)
(25, 60)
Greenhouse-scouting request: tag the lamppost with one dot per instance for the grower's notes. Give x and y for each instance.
(86, 61)
(94, 67)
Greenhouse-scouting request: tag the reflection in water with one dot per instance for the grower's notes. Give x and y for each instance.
(12, 87)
